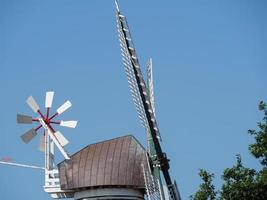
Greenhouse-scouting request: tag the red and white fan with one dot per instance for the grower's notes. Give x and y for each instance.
(50, 136)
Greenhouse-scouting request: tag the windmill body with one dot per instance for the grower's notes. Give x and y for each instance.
(120, 168)
(112, 169)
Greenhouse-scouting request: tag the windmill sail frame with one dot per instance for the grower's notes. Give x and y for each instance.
(141, 97)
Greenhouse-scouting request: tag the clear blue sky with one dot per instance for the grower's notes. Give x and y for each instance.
(210, 70)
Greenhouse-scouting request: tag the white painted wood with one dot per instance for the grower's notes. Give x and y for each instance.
(69, 124)
(49, 99)
(64, 107)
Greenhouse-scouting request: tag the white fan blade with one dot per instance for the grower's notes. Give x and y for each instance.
(117, 6)
(49, 99)
(150, 84)
(42, 144)
(69, 124)
(32, 103)
(62, 140)
(64, 107)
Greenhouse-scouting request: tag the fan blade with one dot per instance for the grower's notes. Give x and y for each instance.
(29, 135)
(69, 124)
(62, 140)
(42, 144)
(64, 107)
(24, 119)
(33, 105)
(117, 6)
(49, 99)
(138, 87)
(150, 84)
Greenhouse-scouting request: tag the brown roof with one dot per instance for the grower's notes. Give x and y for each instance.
(110, 163)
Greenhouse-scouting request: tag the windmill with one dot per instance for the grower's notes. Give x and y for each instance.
(49, 139)
(143, 97)
(119, 168)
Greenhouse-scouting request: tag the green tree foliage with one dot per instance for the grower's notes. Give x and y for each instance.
(239, 182)
(242, 183)
(206, 189)
(259, 148)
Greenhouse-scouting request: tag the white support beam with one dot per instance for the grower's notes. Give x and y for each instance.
(55, 140)
(21, 165)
